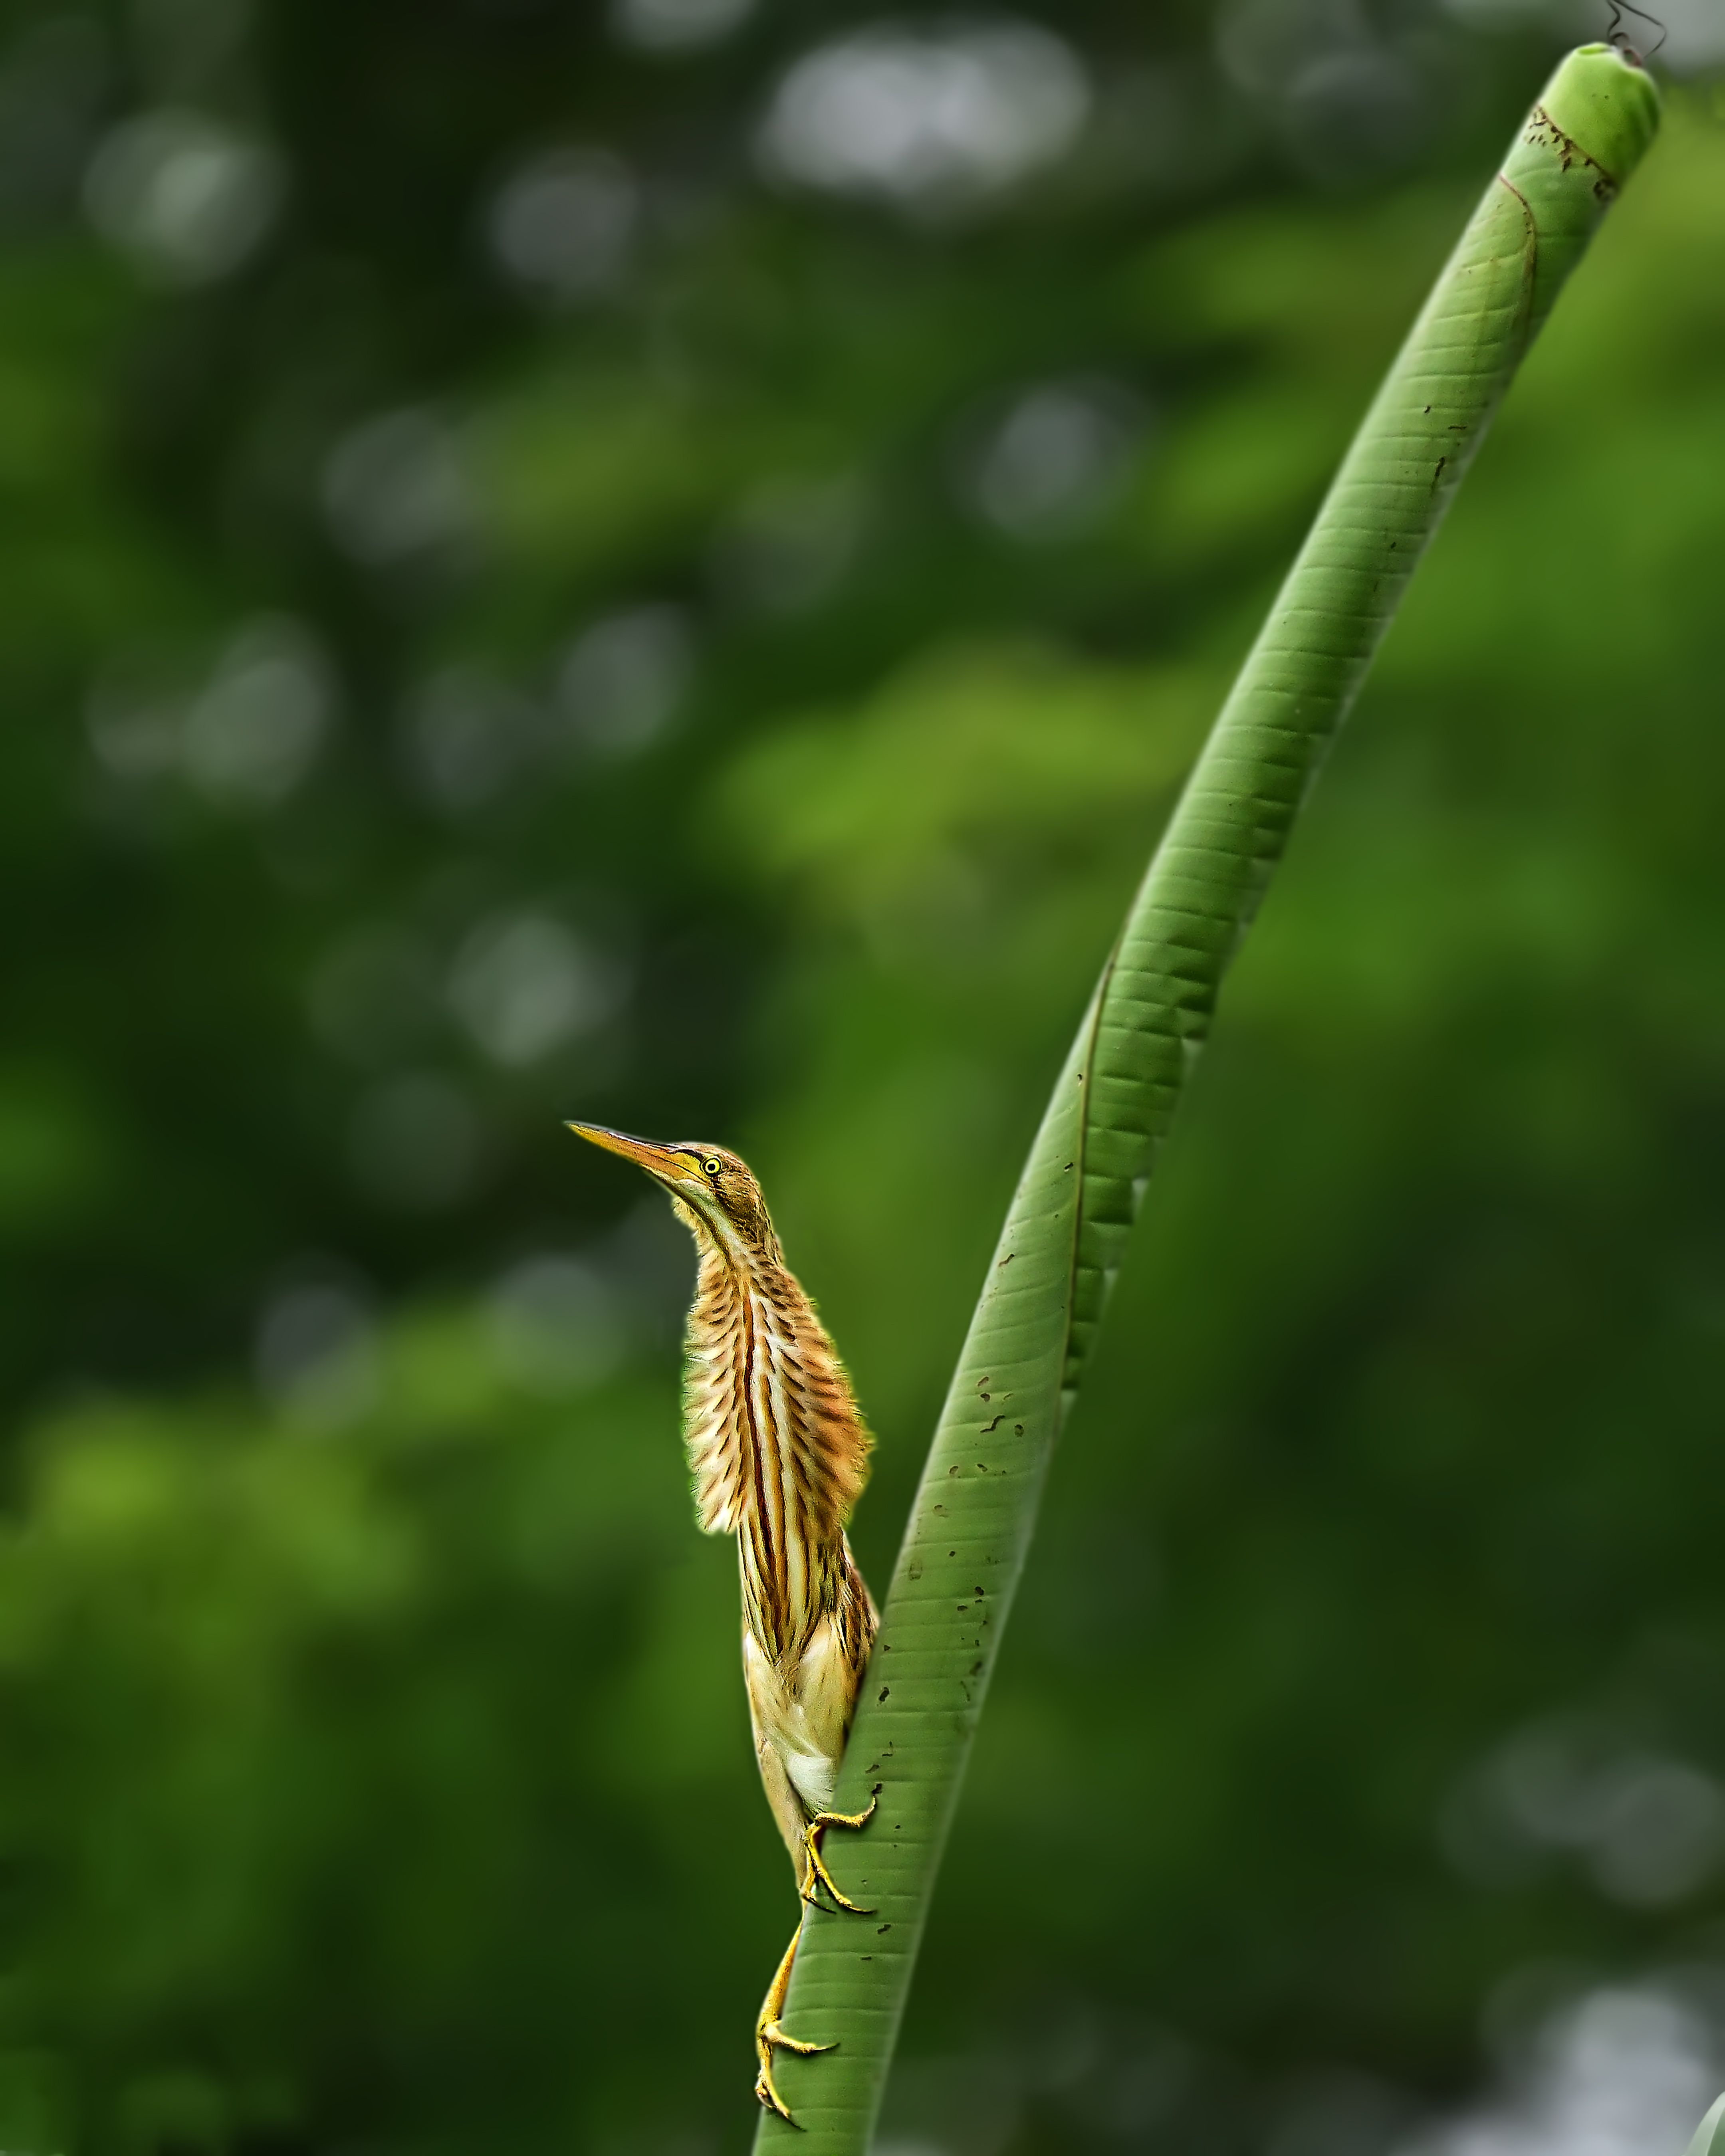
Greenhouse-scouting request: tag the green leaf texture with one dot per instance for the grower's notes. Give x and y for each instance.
(1066, 1233)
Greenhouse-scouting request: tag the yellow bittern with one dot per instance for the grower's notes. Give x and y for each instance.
(779, 1453)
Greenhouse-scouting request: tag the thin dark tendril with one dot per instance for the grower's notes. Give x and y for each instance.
(1618, 36)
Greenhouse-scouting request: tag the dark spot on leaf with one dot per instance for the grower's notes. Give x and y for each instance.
(878, 1928)
(882, 1693)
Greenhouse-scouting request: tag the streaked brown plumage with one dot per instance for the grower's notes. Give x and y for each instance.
(779, 1453)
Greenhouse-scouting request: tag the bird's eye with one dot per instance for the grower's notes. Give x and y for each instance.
(710, 1167)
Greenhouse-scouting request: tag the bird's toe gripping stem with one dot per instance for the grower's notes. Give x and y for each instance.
(769, 2037)
(816, 1873)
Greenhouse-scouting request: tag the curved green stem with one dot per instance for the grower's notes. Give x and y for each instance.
(1709, 2137)
(1048, 1282)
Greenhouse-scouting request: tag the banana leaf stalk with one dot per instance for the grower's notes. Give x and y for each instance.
(1049, 1280)
(1710, 2135)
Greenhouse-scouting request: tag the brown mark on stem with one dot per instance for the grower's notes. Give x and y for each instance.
(1544, 131)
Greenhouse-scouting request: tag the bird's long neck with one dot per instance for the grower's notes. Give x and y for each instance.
(778, 1447)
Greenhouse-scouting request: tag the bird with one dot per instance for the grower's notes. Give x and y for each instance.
(778, 1455)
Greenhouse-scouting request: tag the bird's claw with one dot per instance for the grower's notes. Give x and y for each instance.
(769, 2037)
(818, 1870)
(769, 2098)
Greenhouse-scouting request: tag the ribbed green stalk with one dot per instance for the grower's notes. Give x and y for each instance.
(1066, 1233)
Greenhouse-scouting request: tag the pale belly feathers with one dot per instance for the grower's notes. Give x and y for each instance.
(800, 1716)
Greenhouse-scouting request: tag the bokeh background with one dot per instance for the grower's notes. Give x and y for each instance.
(661, 562)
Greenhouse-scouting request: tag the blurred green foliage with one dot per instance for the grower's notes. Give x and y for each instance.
(513, 610)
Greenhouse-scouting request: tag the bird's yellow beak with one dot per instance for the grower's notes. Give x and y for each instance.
(660, 1161)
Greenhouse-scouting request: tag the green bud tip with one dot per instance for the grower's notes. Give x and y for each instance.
(1607, 104)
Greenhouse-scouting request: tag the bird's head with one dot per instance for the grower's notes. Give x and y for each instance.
(710, 1187)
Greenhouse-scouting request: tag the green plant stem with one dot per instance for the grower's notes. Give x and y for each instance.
(1709, 2137)
(1065, 1233)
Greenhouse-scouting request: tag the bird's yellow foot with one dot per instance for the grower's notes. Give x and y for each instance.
(817, 1863)
(769, 2034)
(769, 2037)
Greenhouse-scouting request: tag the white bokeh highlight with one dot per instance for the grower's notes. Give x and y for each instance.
(930, 119)
(185, 197)
(525, 985)
(560, 227)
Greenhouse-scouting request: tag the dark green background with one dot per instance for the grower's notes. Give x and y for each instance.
(363, 1682)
